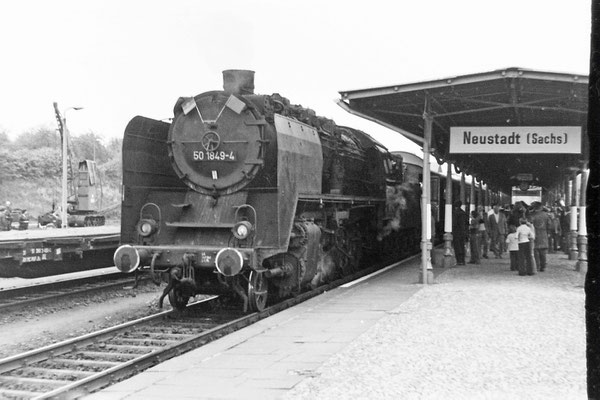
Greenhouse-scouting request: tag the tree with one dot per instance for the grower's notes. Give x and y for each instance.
(30, 164)
(4, 139)
(115, 147)
(38, 138)
(89, 147)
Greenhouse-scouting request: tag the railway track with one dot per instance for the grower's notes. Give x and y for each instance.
(14, 298)
(76, 367)
(80, 366)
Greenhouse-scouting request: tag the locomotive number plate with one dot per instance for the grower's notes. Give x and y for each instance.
(202, 155)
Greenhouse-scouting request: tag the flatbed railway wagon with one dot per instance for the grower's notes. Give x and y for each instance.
(37, 253)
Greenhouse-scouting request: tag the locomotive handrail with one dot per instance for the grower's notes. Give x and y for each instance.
(234, 141)
(183, 205)
(256, 123)
(337, 198)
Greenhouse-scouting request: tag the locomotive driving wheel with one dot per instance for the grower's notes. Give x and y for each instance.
(258, 291)
(178, 299)
(351, 249)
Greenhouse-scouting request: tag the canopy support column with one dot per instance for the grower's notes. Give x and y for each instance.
(481, 197)
(472, 198)
(449, 259)
(463, 194)
(426, 268)
(566, 229)
(566, 193)
(582, 263)
(573, 218)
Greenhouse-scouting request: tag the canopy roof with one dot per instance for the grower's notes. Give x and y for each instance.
(508, 97)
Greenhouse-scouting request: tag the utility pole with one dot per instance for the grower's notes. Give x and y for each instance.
(64, 134)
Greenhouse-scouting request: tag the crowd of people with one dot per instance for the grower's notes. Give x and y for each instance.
(526, 233)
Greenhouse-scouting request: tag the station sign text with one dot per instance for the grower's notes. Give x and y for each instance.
(516, 139)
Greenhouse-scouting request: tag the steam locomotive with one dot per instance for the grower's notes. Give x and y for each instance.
(250, 195)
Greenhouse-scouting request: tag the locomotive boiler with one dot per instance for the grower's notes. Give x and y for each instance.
(249, 194)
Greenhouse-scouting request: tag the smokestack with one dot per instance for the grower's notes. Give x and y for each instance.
(238, 81)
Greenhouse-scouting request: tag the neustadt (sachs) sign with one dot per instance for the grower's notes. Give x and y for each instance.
(515, 139)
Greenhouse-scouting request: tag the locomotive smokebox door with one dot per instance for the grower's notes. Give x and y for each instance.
(216, 142)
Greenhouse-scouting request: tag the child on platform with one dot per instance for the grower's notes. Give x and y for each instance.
(513, 247)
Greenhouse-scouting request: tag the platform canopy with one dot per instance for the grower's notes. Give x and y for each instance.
(504, 99)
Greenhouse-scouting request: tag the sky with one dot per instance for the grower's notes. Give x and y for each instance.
(119, 59)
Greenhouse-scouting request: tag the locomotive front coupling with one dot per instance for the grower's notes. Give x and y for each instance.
(227, 261)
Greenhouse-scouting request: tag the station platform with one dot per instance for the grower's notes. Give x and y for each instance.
(479, 332)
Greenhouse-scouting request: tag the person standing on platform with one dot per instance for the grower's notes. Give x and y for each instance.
(474, 238)
(565, 228)
(483, 235)
(497, 224)
(459, 232)
(512, 240)
(526, 237)
(555, 232)
(506, 211)
(517, 212)
(542, 225)
(511, 215)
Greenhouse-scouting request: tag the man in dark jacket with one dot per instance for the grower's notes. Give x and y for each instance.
(498, 228)
(555, 233)
(542, 224)
(459, 232)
